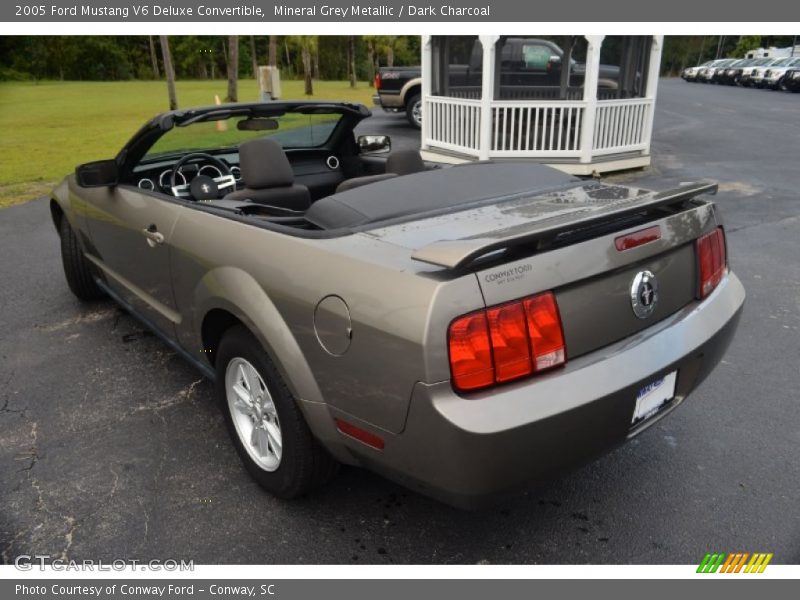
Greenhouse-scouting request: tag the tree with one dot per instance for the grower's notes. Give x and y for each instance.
(390, 52)
(371, 60)
(351, 57)
(169, 71)
(273, 51)
(307, 45)
(254, 56)
(745, 44)
(233, 68)
(153, 59)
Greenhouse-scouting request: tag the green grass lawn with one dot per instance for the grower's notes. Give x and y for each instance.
(50, 127)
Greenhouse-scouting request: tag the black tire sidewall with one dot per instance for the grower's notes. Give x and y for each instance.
(77, 269)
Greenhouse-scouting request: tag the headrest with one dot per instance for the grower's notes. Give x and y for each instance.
(264, 164)
(404, 162)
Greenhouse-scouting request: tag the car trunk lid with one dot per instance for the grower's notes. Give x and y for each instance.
(566, 241)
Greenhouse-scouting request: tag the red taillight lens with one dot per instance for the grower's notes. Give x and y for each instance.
(711, 261)
(509, 335)
(377, 81)
(506, 342)
(470, 352)
(544, 327)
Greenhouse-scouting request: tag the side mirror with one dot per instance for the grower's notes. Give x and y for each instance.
(555, 59)
(374, 144)
(101, 173)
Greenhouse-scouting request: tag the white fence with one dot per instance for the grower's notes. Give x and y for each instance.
(538, 128)
(621, 125)
(523, 129)
(453, 123)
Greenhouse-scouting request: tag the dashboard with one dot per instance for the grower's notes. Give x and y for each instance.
(155, 175)
(320, 171)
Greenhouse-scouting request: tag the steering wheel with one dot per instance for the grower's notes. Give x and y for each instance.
(202, 187)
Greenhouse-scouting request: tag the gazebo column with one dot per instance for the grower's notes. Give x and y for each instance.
(488, 42)
(594, 43)
(653, 71)
(427, 77)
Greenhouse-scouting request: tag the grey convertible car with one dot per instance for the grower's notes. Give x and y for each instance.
(461, 330)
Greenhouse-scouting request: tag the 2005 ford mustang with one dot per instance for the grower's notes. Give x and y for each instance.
(461, 330)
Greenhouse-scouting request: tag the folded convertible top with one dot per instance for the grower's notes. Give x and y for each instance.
(433, 192)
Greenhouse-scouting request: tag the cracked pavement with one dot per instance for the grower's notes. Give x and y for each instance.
(112, 447)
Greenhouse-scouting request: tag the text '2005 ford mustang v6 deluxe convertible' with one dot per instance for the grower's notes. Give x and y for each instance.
(461, 330)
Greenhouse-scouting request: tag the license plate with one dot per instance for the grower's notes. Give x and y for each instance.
(653, 396)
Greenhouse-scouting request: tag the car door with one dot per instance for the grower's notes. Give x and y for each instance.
(130, 233)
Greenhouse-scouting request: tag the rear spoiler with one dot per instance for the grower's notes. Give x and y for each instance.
(454, 254)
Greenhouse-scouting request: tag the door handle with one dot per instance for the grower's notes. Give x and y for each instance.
(153, 236)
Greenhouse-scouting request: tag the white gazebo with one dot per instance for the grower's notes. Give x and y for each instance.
(550, 100)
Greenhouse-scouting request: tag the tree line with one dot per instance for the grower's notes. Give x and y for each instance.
(115, 58)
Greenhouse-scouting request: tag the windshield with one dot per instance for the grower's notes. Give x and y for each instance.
(291, 130)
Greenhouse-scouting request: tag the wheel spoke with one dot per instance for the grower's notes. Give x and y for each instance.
(268, 407)
(262, 441)
(243, 400)
(254, 381)
(275, 439)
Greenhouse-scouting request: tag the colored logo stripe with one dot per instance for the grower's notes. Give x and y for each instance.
(735, 562)
(710, 563)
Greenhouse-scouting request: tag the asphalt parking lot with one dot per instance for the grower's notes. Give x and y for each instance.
(112, 447)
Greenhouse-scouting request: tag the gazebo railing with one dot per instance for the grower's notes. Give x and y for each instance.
(621, 125)
(453, 123)
(522, 129)
(536, 129)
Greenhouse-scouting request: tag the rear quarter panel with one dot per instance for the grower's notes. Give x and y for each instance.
(273, 282)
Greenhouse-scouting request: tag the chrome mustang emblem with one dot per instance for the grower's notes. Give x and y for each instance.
(644, 294)
(205, 187)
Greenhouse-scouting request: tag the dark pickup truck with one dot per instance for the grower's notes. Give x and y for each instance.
(529, 69)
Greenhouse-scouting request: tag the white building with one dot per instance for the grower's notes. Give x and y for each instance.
(546, 99)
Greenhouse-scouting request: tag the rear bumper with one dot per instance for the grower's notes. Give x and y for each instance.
(467, 450)
(390, 100)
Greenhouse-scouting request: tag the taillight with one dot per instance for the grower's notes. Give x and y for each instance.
(377, 81)
(470, 352)
(506, 342)
(508, 330)
(638, 238)
(544, 327)
(711, 260)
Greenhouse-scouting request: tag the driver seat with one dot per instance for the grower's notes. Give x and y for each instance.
(268, 177)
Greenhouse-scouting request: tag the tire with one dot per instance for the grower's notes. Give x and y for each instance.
(414, 111)
(77, 269)
(301, 464)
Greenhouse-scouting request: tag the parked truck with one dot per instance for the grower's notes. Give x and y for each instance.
(526, 64)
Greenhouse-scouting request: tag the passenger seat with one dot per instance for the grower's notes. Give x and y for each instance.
(402, 162)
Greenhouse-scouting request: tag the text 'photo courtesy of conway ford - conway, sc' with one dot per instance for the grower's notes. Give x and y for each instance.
(462, 330)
